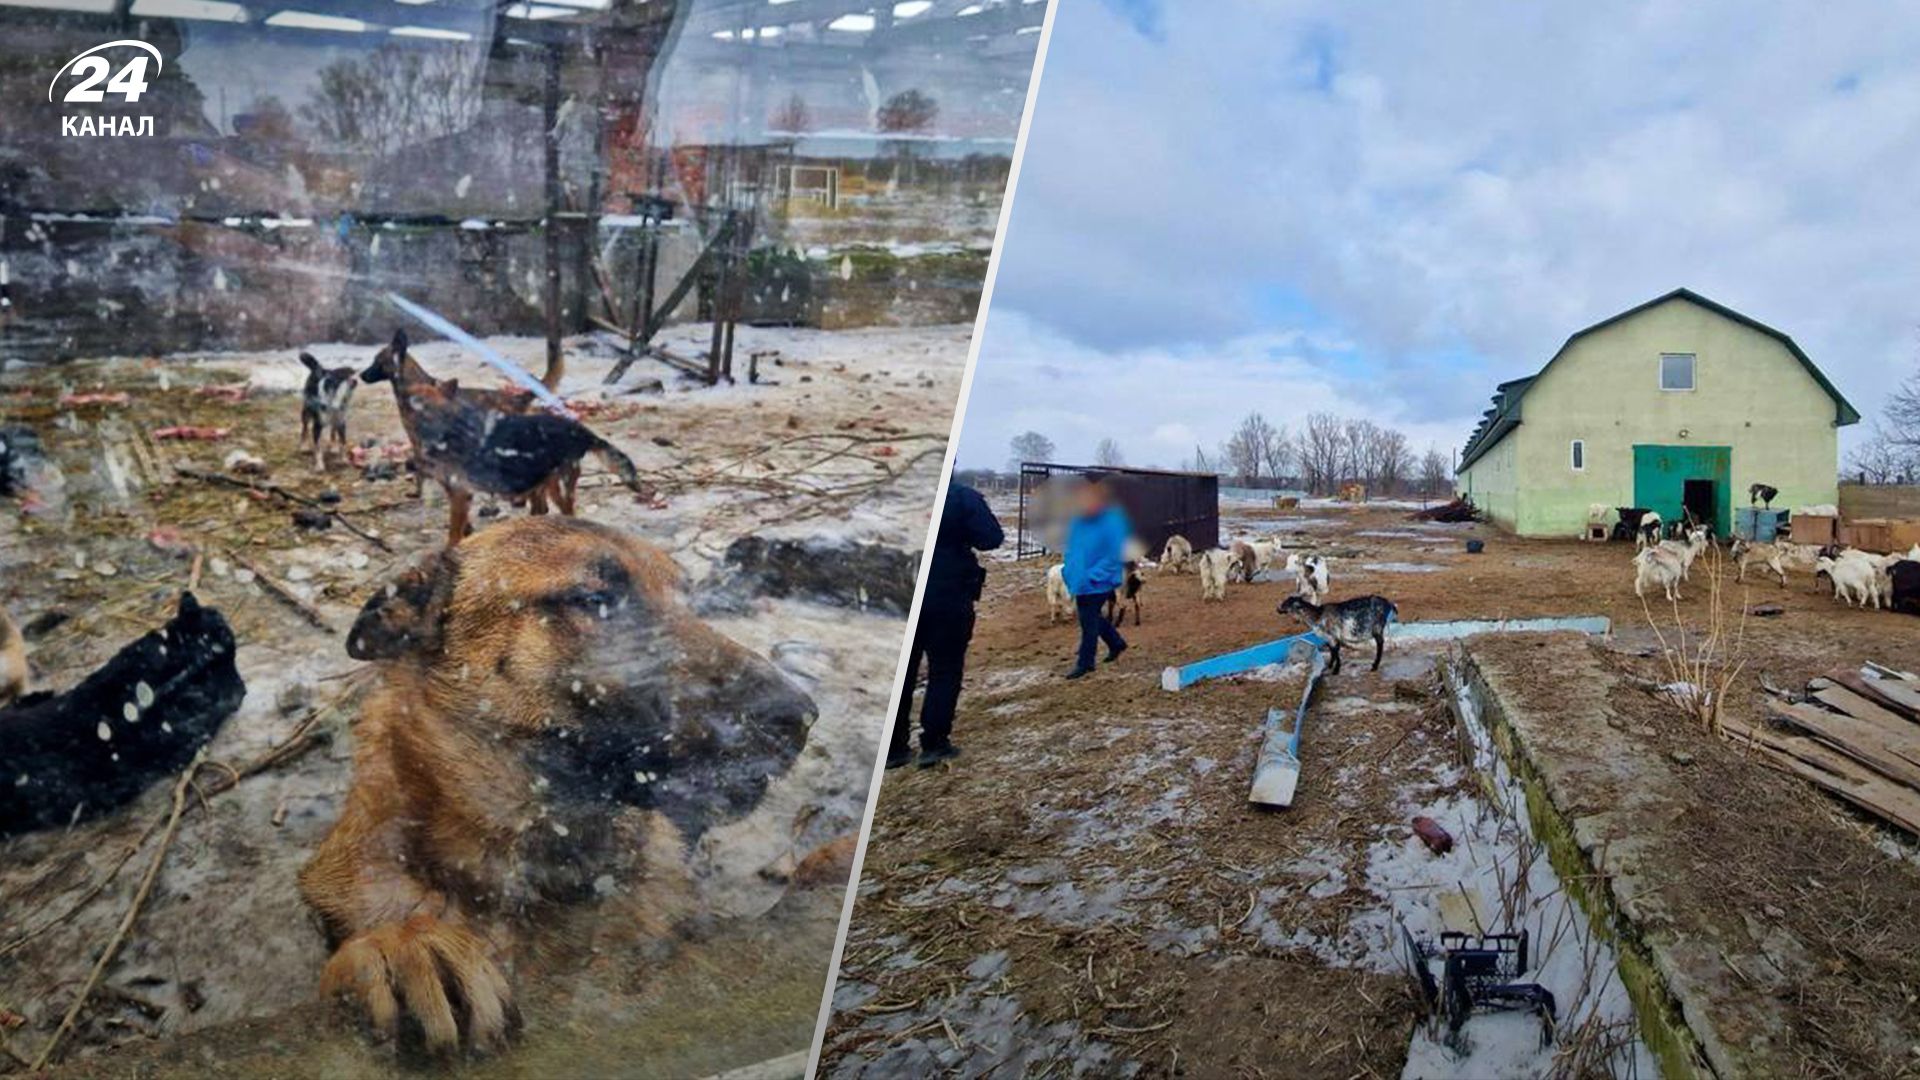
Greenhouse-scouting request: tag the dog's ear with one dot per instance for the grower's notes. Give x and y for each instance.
(310, 363)
(399, 344)
(407, 616)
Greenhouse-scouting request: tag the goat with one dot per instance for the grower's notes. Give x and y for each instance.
(1854, 580)
(1762, 493)
(1776, 556)
(1059, 599)
(1658, 565)
(1648, 531)
(1127, 593)
(1687, 551)
(1628, 527)
(1215, 565)
(1347, 622)
(1597, 514)
(1904, 578)
(1250, 557)
(1310, 577)
(1173, 557)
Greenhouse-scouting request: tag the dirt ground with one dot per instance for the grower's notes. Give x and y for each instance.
(842, 441)
(1087, 892)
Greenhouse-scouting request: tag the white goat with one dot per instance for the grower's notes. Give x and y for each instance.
(1880, 566)
(1658, 565)
(1215, 565)
(1059, 598)
(1310, 576)
(1688, 550)
(1173, 557)
(1855, 580)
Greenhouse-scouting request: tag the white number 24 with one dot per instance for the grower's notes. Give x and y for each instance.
(130, 81)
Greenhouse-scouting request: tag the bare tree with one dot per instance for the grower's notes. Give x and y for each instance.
(1108, 454)
(1391, 461)
(1028, 446)
(908, 110)
(1892, 454)
(1883, 460)
(1249, 451)
(1279, 453)
(1320, 448)
(1434, 472)
(792, 117)
(396, 95)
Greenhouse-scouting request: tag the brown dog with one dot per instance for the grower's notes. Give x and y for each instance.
(551, 729)
(13, 660)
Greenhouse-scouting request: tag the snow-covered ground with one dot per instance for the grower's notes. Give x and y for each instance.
(245, 945)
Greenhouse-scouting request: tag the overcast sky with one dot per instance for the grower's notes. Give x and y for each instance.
(1385, 209)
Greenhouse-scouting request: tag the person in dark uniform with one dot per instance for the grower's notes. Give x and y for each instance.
(946, 626)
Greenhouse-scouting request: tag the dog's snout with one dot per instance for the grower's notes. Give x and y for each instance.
(774, 708)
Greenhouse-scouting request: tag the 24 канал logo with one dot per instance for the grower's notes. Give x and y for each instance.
(90, 70)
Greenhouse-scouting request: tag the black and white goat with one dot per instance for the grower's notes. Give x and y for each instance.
(1762, 493)
(1127, 593)
(1346, 623)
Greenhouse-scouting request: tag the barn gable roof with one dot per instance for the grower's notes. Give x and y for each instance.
(1505, 414)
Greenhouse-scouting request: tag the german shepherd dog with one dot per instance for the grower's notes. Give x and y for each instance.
(551, 730)
(323, 407)
(489, 440)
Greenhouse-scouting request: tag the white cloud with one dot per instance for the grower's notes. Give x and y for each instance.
(1455, 189)
(1151, 399)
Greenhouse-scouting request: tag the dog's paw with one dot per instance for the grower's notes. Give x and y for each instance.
(424, 971)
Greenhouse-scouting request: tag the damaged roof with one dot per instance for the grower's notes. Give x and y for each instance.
(1496, 422)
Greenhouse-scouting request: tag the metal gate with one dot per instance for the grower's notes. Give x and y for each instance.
(1661, 475)
(1160, 504)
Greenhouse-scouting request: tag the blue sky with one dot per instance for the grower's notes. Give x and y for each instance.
(1385, 209)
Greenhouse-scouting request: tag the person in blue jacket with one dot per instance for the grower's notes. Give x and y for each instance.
(954, 578)
(1095, 567)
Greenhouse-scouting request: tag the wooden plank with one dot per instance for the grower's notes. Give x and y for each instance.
(1905, 697)
(1803, 757)
(1861, 740)
(1839, 697)
(1879, 691)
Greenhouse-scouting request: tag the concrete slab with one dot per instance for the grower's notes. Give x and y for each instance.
(1609, 806)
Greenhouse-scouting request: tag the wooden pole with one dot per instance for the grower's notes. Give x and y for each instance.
(556, 365)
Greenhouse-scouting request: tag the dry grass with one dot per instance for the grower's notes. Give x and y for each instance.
(1702, 661)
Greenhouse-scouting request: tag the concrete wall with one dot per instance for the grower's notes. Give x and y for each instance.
(1750, 393)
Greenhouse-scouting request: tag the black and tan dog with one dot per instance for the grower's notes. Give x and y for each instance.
(490, 440)
(552, 728)
(323, 408)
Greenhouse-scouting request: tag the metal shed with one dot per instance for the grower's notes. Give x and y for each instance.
(1161, 503)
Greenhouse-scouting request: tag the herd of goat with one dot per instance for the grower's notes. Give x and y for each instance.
(1346, 623)
(1244, 560)
(1860, 578)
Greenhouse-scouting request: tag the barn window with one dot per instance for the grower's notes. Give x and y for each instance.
(1676, 371)
(1579, 455)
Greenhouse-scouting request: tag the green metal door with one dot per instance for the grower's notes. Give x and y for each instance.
(1660, 475)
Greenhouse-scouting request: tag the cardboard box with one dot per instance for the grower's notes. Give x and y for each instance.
(1814, 529)
(1868, 534)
